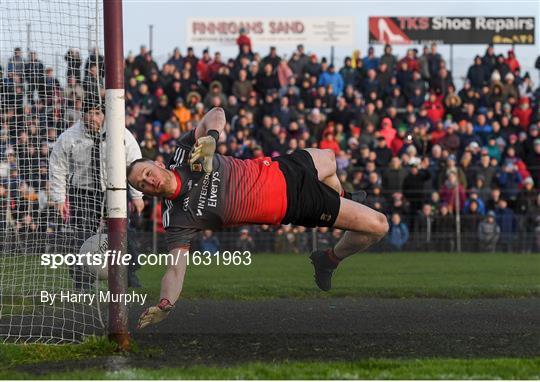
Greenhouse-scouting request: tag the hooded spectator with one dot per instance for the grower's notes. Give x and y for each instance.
(398, 233)
(387, 131)
(284, 73)
(512, 61)
(489, 233)
(477, 74)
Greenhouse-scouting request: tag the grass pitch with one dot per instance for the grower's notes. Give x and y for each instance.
(396, 275)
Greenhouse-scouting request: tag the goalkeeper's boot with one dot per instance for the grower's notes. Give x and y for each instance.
(357, 196)
(325, 263)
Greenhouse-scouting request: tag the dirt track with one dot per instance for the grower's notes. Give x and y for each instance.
(346, 329)
(229, 332)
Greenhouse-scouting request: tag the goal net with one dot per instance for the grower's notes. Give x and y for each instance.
(51, 68)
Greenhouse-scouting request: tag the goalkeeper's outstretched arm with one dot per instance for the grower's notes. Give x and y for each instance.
(171, 287)
(173, 279)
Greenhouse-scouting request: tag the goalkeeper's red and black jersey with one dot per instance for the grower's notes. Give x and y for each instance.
(236, 192)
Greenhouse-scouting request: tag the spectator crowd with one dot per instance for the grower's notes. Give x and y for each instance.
(443, 163)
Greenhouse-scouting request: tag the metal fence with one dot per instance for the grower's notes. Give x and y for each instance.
(292, 239)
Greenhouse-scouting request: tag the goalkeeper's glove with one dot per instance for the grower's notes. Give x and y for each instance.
(155, 314)
(203, 151)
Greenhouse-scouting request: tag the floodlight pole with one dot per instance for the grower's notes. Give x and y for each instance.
(116, 166)
(29, 38)
(151, 37)
(452, 58)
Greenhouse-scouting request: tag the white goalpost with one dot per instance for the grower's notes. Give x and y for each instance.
(51, 70)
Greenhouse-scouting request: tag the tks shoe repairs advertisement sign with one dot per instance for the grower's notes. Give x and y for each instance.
(452, 30)
(268, 31)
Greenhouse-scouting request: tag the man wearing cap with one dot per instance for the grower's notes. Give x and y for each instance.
(313, 68)
(77, 175)
(204, 190)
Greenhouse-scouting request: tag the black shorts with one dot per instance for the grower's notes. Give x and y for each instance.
(310, 202)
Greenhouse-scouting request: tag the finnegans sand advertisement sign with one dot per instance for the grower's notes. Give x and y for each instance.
(271, 30)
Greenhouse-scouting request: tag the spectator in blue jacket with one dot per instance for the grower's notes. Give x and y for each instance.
(371, 61)
(330, 77)
(509, 180)
(482, 128)
(209, 242)
(473, 196)
(506, 219)
(398, 233)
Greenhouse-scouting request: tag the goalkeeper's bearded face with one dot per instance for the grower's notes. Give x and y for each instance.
(152, 179)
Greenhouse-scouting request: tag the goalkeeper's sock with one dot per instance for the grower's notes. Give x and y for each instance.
(331, 260)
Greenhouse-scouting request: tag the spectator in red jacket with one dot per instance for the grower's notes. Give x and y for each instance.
(521, 167)
(329, 141)
(523, 112)
(202, 67)
(512, 61)
(434, 107)
(411, 60)
(399, 140)
(243, 39)
(387, 131)
(438, 133)
(214, 66)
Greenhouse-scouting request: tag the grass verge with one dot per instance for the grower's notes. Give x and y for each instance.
(12, 355)
(502, 368)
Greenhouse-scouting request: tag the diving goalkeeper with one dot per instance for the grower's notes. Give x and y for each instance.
(204, 190)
